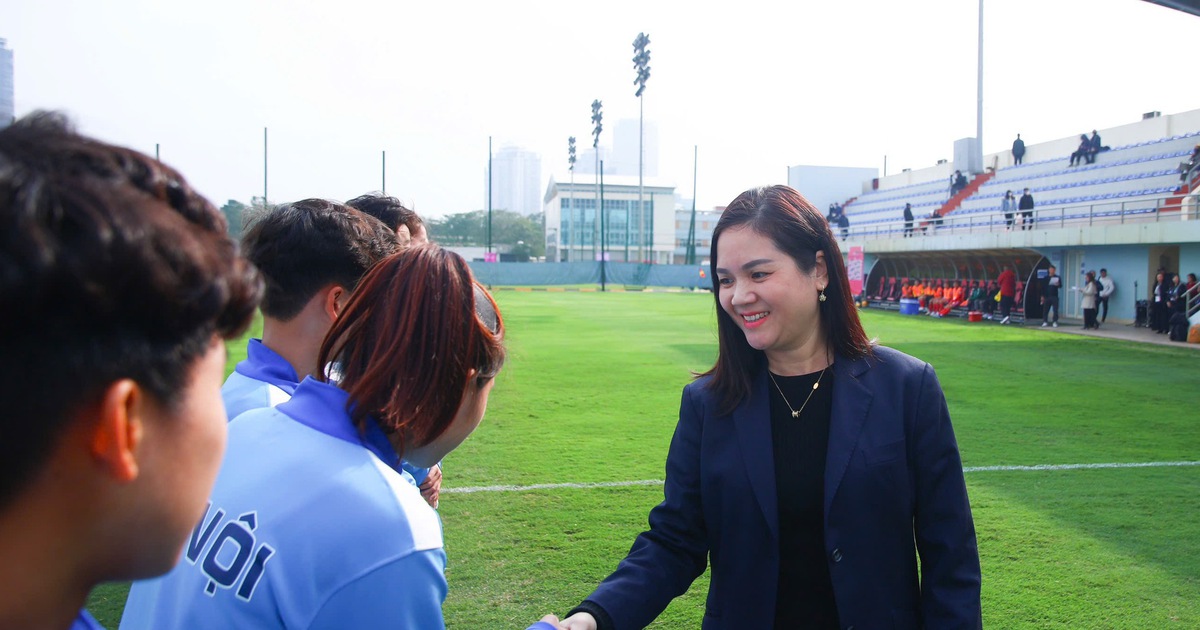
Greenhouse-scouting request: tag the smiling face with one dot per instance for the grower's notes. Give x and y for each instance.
(769, 297)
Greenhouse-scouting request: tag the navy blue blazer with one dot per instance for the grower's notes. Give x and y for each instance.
(894, 489)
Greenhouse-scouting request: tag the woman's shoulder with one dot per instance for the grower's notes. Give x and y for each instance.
(890, 361)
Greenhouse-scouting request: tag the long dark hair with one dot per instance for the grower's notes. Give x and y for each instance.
(797, 229)
(417, 323)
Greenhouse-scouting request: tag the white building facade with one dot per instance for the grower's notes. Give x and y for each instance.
(573, 229)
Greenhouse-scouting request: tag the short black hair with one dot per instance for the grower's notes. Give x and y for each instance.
(387, 209)
(111, 267)
(305, 245)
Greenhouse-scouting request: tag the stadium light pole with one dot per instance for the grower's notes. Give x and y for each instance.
(979, 95)
(641, 63)
(597, 127)
(383, 177)
(264, 168)
(603, 243)
(571, 196)
(690, 252)
(489, 225)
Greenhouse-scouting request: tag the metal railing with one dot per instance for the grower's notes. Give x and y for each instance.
(1134, 210)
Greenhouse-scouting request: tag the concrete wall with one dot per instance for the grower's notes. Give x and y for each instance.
(823, 185)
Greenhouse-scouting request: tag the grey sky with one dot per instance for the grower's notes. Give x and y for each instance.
(757, 85)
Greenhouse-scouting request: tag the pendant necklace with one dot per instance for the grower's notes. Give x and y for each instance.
(796, 412)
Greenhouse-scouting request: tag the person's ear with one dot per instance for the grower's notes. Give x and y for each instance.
(336, 298)
(117, 430)
(820, 270)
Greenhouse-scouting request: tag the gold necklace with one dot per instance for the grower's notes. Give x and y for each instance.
(796, 413)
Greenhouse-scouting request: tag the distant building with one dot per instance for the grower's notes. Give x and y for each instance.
(706, 221)
(585, 163)
(573, 233)
(516, 181)
(7, 108)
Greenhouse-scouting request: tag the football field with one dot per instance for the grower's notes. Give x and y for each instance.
(1082, 462)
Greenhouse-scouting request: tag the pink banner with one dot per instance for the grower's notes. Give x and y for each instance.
(854, 269)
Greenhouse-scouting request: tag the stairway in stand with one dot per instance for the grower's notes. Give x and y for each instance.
(954, 202)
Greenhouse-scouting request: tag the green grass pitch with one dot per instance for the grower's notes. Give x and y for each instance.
(591, 392)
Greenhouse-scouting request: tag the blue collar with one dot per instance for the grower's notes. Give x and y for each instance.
(264, 364)
(325, 408)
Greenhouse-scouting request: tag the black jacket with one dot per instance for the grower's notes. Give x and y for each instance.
(1026, 202)
(1051, 285)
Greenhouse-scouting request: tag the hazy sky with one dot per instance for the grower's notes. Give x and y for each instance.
(757, 85)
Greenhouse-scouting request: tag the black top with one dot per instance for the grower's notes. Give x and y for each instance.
(805, 595)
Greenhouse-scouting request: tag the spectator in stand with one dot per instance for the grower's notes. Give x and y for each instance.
(1094, 147)
(1090, 293)
(1025, 205)
(1159, 296)
(908, 220)
(957, 183)
(1008, 206)
(1050, 296)
(1081, 153)
(1107, 287)
(843, 222)
(1186, 168)
(1008, 293)
(1018, 150)
(832, 217)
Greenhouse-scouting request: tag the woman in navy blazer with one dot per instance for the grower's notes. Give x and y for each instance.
(810, 468)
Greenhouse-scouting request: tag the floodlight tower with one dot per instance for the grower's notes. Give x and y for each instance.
(571, 202)
(641, 63)
(597, 127)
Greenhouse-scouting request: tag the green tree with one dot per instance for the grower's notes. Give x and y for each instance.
(522, 236)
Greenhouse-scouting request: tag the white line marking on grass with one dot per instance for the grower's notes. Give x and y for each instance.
(658, 482)
(1079, 466)
(552, 486)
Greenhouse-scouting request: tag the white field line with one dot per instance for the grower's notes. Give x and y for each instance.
(659, 482)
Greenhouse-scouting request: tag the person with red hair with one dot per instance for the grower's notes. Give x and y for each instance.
(310, 524)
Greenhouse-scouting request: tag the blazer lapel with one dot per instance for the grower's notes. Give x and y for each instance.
(752, 422)
(851, 401)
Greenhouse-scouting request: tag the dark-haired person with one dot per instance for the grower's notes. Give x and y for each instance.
(119, 284)
(312, 254)
(310, 525)
(809, 467)
(409, 227)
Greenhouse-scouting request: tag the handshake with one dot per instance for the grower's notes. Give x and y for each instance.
(578, 621)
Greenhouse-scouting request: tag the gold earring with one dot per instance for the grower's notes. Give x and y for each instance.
(821, 295)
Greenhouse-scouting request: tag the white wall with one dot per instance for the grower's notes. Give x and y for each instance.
(823, 185)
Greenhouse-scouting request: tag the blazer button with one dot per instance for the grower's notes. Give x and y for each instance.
(837, 555)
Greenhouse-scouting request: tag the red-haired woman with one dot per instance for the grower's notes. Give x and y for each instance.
(311, 524)
(809, 467)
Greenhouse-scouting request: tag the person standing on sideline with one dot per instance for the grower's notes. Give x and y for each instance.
(1018, 150)
(810, 468)
(1008, 206)
(1107, 287)
(1050, 288)
(1026, 207)
(119, 285)
(908, 220)
(1159, 295)
(1008, 292)
(1090, 291)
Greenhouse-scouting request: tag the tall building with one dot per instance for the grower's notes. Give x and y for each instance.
(516, 181)
(6, 84)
